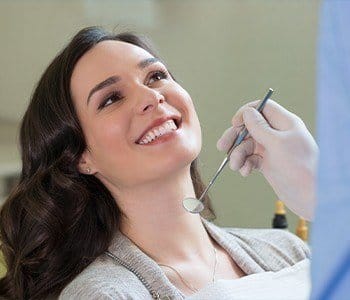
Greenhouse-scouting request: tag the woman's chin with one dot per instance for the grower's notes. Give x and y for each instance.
(168, 164)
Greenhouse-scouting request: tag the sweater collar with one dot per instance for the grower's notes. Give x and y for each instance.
(138, 261)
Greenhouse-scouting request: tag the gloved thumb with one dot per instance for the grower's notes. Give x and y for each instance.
(257, 126)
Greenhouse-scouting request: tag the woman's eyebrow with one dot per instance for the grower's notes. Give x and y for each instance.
(102, 85)
(146, 62)
(113, 79)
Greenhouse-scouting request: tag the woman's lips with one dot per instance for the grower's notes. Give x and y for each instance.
(159, 122)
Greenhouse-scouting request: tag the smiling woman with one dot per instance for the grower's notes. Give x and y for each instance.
(60, 217)
(110, 145)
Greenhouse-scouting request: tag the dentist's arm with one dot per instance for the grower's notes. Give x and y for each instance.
(280, 146)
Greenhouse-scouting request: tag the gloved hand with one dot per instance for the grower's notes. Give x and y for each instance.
(279, 146)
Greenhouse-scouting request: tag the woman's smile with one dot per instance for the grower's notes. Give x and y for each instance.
(159, 127)
(168, 135)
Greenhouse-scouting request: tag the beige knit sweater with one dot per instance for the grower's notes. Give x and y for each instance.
(134, 275)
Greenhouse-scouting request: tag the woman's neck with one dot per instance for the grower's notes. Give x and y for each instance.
(159, 225)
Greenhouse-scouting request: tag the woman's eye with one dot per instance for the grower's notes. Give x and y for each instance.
(110, 99)
(158, 75)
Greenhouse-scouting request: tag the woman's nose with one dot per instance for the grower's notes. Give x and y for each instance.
(149, 99)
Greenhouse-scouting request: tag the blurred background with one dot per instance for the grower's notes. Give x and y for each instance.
(224, 53)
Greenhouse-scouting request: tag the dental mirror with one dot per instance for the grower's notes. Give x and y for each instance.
(194, 205)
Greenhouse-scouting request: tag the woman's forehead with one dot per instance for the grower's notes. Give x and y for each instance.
(107, 58)
(117, 52)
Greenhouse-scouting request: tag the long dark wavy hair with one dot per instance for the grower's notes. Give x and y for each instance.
(56, 221)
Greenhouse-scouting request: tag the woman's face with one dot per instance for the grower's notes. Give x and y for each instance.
(118, 94)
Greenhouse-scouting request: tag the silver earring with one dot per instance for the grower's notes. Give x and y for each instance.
(88, 170)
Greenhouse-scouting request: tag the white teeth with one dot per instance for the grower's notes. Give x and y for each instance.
(152, 135)
(161, 130)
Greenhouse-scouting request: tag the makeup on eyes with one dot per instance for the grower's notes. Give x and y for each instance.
(116, 95)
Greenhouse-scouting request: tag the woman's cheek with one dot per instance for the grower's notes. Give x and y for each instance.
(109, 137)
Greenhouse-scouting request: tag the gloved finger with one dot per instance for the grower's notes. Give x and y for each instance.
(237, 119)
(258, 127)
(226, 140)
(276, 115)
(240, 153)
(253, 162)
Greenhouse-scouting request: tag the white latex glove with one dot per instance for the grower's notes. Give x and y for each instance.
(279, 146)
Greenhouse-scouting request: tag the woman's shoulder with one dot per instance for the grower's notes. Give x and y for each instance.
(276, 247)
(103, 279)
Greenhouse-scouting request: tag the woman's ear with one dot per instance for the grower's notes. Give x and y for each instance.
(85, 165)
